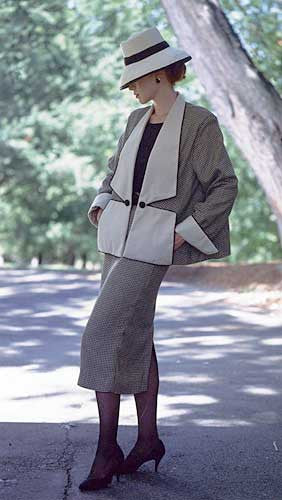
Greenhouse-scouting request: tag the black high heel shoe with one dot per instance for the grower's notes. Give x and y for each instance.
(135, 458)
(96, 483)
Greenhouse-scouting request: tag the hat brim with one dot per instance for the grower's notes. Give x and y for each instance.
(156, 68)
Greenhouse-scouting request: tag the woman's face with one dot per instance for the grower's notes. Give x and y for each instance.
(144, 88)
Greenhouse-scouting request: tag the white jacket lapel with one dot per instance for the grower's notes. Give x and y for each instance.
(160, 180)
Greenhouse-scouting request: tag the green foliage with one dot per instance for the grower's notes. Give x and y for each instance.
(259, 25)
(62, 112)
(254, 234)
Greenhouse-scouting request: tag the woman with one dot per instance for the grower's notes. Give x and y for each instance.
(165, 201)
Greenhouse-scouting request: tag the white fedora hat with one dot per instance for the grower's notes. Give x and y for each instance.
(145, 52)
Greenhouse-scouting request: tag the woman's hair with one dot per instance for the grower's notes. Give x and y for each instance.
(175, 72)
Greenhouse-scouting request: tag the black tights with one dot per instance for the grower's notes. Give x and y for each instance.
(146, 406)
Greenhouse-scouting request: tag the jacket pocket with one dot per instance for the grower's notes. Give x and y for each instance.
(151, 236)
(112, 228)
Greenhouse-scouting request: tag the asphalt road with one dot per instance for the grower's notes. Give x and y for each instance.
(219, 406)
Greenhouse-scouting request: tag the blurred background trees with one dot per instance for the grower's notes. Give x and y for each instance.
(62, 113)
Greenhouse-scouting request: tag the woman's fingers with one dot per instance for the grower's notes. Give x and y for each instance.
(99, 213)
(178, 240)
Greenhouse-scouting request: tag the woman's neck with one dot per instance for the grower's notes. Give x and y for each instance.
(161, 107)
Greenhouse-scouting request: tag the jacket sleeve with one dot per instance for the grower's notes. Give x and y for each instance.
(216, 175)
(104, 192)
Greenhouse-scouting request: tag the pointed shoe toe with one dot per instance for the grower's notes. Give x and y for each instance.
(97, 483)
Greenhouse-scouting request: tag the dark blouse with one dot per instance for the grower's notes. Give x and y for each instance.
(146, 144)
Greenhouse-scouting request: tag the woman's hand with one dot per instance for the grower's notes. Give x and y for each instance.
(99, 213)
(178, 240)
(95, 215)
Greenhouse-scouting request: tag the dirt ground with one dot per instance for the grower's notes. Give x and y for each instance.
(251, 284)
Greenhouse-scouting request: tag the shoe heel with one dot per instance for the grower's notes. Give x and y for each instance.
(157, 461)
(159, 457)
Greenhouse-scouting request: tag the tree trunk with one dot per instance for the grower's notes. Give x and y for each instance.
(242, 98)
(71, 259)
(84, 260)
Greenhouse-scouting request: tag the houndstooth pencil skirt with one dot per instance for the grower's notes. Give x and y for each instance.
(116, 345)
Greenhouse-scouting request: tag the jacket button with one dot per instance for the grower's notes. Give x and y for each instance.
(127, 202)
(142, 204)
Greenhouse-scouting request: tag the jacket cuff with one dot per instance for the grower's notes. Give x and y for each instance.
(192, 232)
(101, 200)
(92, 214)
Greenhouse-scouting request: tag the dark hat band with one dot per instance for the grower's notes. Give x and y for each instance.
(145, 53)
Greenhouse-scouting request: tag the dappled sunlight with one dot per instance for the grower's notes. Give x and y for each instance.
(26, 343)
(216, 422)
(266, 360)
(211, 340)
(186, 379)
(206, 355)
(260, 391)
(12, 328)
(7, 291)
(19, 276)
(58, 287)
(170, 313)
(274, 341)
(17, 311)
(209, 355)
(188, 399)
(252, 317)
(172, 407)
(172, 284)
(9, 351)
(44, 397)
(195, 352)
(192, 354)
(60, 310)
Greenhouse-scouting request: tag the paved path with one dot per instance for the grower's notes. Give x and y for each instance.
(219, 410)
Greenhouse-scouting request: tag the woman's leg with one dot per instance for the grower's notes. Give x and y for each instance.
(146, 405)
(108, 406)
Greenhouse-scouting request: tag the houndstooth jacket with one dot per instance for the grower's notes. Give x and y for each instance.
(189, 187)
